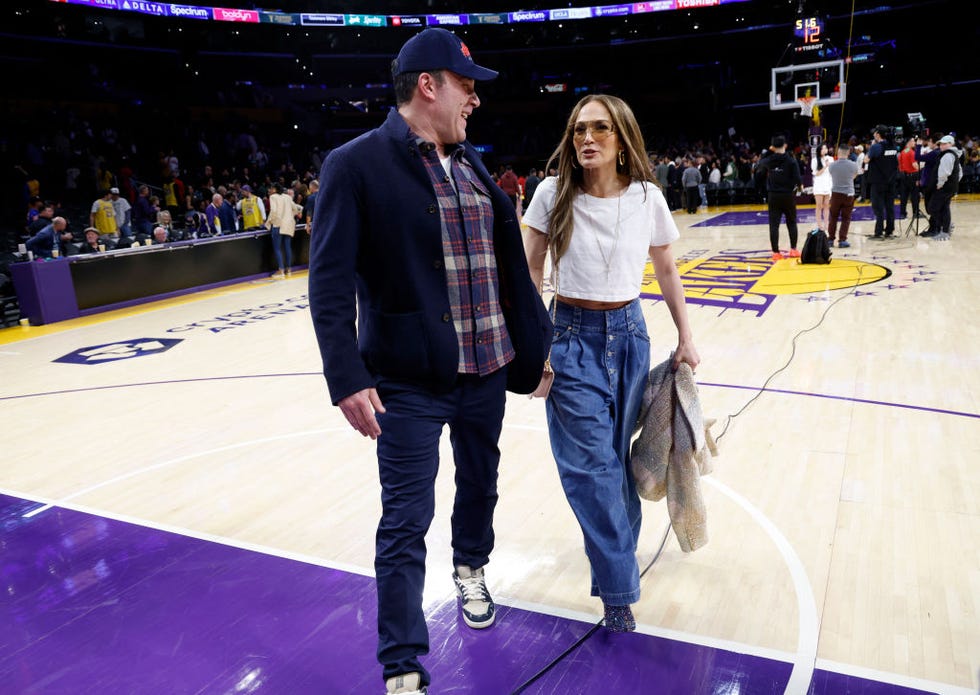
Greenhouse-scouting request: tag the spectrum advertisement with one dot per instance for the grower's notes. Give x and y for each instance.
(229, 14)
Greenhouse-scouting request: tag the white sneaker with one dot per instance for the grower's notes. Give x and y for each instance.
(478, 608)
(405, 684)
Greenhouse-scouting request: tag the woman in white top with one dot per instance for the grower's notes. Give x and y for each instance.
(601, 218)
(819, 165)
(714, 176)
(859, 186)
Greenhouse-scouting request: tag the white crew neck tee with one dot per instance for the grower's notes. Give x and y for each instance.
(603, 262)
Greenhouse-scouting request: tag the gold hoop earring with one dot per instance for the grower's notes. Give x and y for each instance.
(622, 157)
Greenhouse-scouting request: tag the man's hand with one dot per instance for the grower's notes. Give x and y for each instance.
(359, 409)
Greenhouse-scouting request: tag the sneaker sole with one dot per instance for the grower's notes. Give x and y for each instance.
(477, 625)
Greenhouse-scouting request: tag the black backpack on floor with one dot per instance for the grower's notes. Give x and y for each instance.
(816, 248)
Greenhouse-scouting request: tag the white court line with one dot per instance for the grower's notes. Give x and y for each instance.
(806, 646)
(654, 631)
(676, 635)
(61, 502)
(578, 616)
(163, 464)
(809, 631)
(804, 661)
(190, 533)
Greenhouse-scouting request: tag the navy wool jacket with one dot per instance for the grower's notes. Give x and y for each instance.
(377, 235)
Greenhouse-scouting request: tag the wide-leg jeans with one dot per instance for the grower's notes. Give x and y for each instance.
(601, 361)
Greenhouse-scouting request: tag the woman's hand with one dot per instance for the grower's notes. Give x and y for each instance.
(686, 352)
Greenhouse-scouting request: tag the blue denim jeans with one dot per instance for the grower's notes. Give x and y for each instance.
(601, 361)
(408, 460)
(282, 243)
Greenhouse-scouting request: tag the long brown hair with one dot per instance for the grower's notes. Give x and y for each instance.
(636, 166)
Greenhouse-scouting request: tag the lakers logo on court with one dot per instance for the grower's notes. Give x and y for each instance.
(750, 281)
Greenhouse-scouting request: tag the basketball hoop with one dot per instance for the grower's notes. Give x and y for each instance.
(806, 105)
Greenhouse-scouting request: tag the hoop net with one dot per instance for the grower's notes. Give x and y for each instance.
(806, 105)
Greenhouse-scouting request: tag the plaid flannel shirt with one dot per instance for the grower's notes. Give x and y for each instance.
(466, 214)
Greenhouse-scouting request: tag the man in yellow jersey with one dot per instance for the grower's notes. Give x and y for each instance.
(252, 209)
(173, 195)
(103, 215)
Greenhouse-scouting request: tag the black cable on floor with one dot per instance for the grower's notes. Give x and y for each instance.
(581, 640)
(762, 389)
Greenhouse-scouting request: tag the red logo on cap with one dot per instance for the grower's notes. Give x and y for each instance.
(465, 50)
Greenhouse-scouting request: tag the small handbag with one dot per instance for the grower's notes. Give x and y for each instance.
(548, 375)
(547, 379)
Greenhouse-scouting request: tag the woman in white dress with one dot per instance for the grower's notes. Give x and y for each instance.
(819, 165)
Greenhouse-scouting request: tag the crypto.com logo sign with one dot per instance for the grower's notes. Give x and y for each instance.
(124, 350)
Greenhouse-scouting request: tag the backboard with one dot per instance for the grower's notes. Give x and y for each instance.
(823, 80)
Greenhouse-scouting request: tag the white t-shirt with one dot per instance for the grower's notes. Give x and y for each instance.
(822, 183)
(597, 264)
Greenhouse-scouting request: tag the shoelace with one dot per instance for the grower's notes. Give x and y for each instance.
(474, 589)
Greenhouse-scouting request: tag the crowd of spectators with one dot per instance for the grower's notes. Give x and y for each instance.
(727, 171)
(216, 179)
(125, 186)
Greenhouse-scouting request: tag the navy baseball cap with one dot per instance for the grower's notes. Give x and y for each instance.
(439, 49)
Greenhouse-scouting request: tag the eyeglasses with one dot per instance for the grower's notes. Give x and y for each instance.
(600, 130)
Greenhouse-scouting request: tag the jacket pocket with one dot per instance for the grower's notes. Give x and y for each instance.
(396, 345)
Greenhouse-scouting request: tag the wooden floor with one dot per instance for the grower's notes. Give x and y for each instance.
(844, 510)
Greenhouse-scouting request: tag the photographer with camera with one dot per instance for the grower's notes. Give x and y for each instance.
(882, 174)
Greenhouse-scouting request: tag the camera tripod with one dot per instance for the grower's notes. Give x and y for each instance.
(915, 203)
(912, 226)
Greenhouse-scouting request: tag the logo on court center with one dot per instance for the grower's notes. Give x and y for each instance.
(750, 281)
(113, 352)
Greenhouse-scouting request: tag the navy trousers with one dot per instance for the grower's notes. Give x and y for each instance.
(408, 460)
(939, 212)
(883, 204)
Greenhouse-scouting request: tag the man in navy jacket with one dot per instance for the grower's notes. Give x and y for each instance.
(425, 315)
(882, 175)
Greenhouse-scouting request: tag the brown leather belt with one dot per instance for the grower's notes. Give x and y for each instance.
(592, 305)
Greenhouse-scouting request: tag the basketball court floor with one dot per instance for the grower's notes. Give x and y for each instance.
(183, 511)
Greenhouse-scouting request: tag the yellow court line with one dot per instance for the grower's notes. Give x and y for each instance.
(18, 333)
